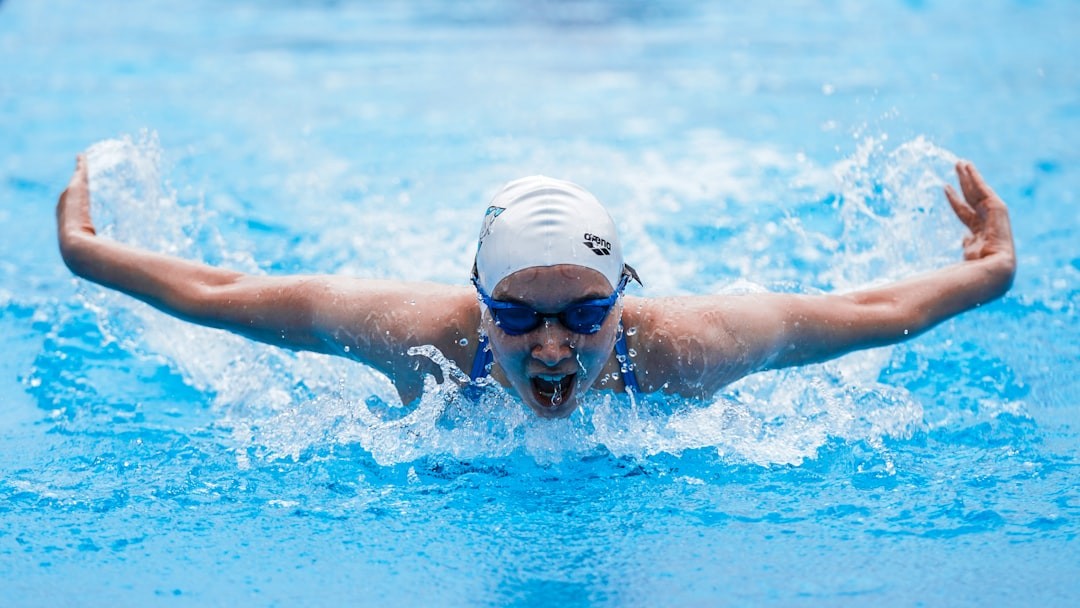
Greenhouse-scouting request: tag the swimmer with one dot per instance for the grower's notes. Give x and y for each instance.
(546, 315)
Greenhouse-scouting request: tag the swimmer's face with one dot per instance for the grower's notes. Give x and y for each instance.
(551, 366)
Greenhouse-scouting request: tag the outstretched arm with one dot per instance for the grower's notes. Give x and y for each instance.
(265, 308)
(822, 328)
(743, 334)
(374, 322)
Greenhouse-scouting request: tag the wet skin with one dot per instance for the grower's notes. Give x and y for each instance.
(551, 367)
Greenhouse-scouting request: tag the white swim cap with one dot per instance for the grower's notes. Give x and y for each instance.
(540, 221)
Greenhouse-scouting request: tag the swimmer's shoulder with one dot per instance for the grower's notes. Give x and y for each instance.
(682, 344)
(406, 313)
(378, 322)
(686, 312)
(651, 345)
(454, 321)
(435, 313)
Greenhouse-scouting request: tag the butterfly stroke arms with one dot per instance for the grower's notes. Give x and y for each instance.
(685, 345)
(715, 340)
(372, 321)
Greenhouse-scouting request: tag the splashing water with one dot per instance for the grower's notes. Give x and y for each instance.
(888, 221)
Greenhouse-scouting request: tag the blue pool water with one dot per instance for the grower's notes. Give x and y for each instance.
(780, 146)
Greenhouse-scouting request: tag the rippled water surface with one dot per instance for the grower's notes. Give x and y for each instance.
(778, 146)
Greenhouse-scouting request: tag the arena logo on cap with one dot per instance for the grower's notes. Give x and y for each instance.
(598, 245)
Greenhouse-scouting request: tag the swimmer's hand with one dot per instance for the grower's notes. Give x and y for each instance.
(985, 214)
(73, 221)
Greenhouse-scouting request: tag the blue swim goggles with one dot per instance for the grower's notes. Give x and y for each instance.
(583, 317)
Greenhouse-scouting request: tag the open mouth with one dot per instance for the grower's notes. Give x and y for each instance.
(552, 390)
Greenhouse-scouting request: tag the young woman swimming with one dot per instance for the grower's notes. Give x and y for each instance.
(546, 316)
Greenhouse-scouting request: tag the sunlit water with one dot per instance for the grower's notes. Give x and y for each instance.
(771, 148)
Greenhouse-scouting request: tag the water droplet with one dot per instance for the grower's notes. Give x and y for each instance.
(905, 332)
(631, 331)
(614, 376)
(463, 342)
(633, 353)
(595, 328)
(347, 348)
(621, 358)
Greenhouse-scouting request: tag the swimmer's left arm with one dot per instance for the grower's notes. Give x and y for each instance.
(822, 327)
(718, 339)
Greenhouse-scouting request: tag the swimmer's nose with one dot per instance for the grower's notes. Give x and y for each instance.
(553, 344)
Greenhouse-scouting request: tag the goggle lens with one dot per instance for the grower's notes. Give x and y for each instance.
(517, 319)
(583, 318)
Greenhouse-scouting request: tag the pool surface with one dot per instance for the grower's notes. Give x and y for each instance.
(783, 146)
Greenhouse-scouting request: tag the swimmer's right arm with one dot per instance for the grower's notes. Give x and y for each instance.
(250, 305)
(371, 321)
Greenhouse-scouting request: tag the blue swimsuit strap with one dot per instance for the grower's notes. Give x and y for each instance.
(626, 365)
(484, 358)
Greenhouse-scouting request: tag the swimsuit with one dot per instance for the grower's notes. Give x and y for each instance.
(484, 358)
